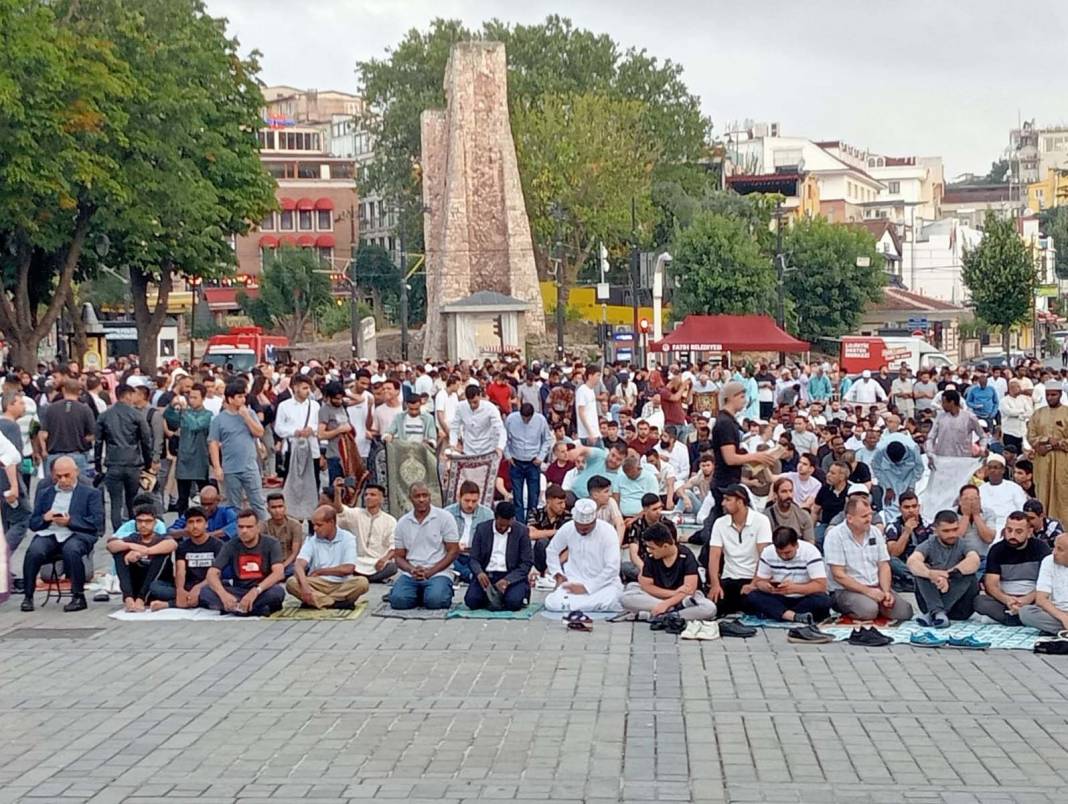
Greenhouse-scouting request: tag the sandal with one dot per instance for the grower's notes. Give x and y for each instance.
(579, 625)
(577, 617)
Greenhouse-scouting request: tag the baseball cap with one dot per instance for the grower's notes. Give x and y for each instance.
(1033, 506)
(737, 490)
(584, 512)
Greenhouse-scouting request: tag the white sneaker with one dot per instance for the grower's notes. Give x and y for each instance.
(693, 630)
(545, 584)
(709, 629)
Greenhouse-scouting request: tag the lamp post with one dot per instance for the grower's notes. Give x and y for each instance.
(558, 214)
(194, 282)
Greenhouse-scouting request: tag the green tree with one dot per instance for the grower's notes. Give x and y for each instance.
(1000, 275)
(1055, 224)
(828, 290)
(63, 117)
(588, 155)
(293, 289)
(718, 267)
(998, 173)
(376, 273)
(191, 160)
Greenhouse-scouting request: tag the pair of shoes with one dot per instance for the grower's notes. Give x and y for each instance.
(804, 618)
(77, 603)
(701, 629)
(869, 637)
(733, 628)
(968, 643)
(809, 634)
(670, 622)
(545, 584)
(927, 639)
(344, 605)
(27, 604)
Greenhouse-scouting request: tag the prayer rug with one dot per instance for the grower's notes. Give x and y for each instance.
(525, 613)
(482, 469)
(384, 610)
(298, 613)
(399, 464)
(206, 615)
(559, 616)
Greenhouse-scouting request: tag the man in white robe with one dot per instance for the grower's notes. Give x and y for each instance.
(589, 581)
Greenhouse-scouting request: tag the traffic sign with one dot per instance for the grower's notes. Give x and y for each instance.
(918, 323)
(623, 336)
(624, 354)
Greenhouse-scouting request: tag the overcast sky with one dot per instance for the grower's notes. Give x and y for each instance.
(914, 77)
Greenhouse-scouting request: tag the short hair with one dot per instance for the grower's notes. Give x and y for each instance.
(71, 386)
(1025, 464)
(526, 410)
(122, 390)
(946, 517)
(631, 461)
(144, 510)
(472, 391)
(199, 388)
(951, 395)
(650, 499)
(274, 496)
(968, 487)
(334, 388)
(598, 482)
(808, 456)
(907, 496)
(10, 398)
(555, 491)
(843, 466)
(783, 536)
(245, 513)
(854, 502)
(658, 534)
(504, 510)
(779, 481)
(1018, 516)
(592, 368)
(375, 487)
(299, 379)
(234, 388)
(707, 457)
(895, 451)
(195, 512)
(468, 487)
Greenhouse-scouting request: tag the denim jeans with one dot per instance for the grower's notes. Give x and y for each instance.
(526, 487)
(334, 470)
(15, 522)
(433, 593)
(695, 502)
(123, 484)
(462, 566)
(246, 484)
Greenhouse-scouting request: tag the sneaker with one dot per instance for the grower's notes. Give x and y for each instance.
(804, 619)
(27, 604)
(933, 619)
(733, 628)
(968, 643)
(101, 596)
(345, 605)
(709, 630)
(869, 638)
(927, 639)
(18, 586)
(693, 630)
(545, 584)
(674, 624)
(808, 634)
(877, 639)
(941, 620)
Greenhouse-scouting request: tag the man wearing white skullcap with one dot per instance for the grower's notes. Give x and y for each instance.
(589, 581)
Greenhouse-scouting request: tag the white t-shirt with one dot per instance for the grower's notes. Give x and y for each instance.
(358, 419)
(214, 404)
(740, 549)
(586, 411)
(1053, 580)
(446, 403)
(806, 565)
(1001, 500)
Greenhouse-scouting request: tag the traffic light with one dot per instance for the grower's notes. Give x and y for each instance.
(643, 326)
(498, 327)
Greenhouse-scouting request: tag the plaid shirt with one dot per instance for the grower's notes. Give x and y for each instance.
(921, 534)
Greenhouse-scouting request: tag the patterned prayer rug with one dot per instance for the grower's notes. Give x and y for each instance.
(482, 469)
(398, 465)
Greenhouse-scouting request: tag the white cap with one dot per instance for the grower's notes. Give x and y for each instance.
(866, 374)
(993, 457)
(857, 488)
(584, 512)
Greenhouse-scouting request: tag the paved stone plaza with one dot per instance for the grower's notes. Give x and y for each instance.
(459, 711)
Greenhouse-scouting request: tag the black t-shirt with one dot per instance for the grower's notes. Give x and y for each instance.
(725, 432)
(1016, 564)
(249, 565)
(831, 503)
(861, 473)
(674, 576)
(198, 558)
(68, 423)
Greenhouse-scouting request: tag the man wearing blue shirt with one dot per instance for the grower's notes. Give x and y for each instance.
(982, 399)
(603, 462)
(528, 444)
(222, 519)
(325, 572)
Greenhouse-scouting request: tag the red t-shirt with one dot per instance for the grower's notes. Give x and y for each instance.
(554, 472)
(673, 411)
(642, 447)
(501, 396)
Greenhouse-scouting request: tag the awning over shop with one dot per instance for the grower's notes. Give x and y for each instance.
(728, 333)
(305, 204)
(287, 203)
(305, 240)
(324, 203)
(268, 241)
(325, 241)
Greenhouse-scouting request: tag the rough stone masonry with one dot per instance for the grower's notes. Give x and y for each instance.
(475, 221)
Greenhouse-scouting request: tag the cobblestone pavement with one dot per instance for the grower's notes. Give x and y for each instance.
(460, 711)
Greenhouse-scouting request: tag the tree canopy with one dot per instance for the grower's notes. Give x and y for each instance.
(292, 290)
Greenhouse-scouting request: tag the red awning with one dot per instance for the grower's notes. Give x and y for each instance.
(324, 203)
(224, 299)
(325, 241)
(728, 333)
(268, 241)
(305, 204)
(287, 203)
(287, 240)
(305, 240)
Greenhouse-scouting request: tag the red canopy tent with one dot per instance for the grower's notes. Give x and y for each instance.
(728, 333)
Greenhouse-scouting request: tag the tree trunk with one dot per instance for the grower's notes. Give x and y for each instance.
(149, 322)
(379, 312)
(1006, 331)
(81, 339)
(19, 318)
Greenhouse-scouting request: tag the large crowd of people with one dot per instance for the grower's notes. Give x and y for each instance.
(681, 494)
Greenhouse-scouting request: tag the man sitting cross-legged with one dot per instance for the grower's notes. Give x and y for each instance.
(501, 558)
(668, 580)
(1049, 612)
(542, 523)
(427, 542)
(255, 563)
(1011, 571)
(945, 567)
(194, 557)
(324, 574)
(589, 581)
(791, 581)
(142, 559)
(373, 528)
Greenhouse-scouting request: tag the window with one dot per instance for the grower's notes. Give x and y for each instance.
(326, 255)
(267, 224)
(266, 140)
(308, 170)
(893, 187)
(343, 170)
(286, 223)
(326, 220)
(277, 169)
(305, 220)
(265, 258)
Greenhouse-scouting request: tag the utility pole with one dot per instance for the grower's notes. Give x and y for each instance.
(558, 215)
(403, 312)
(780, 273)
(635, 258)
(355, 324)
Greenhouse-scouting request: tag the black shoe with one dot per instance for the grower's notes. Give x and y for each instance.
(877, 639)
(77, 603)
(733, 628)
(18, 586)
(805, 618)
(809, 634)
(869, 638)
(658, 623)
(674, 624)
(345, 605)
(27, 604)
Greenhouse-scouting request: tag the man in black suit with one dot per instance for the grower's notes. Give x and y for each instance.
(501, 558)
(68, 518)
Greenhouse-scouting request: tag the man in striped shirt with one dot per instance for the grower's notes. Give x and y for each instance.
(791, 581)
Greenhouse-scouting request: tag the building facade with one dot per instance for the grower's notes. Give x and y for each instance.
(377, 217)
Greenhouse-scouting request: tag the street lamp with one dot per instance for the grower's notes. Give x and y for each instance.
(353, 296)
(194, 283)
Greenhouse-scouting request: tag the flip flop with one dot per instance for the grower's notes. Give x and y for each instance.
(577, 617)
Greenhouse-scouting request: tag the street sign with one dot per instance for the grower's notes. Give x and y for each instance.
(624, 354)
(603, 291)
(623, 336)
(918, 323)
